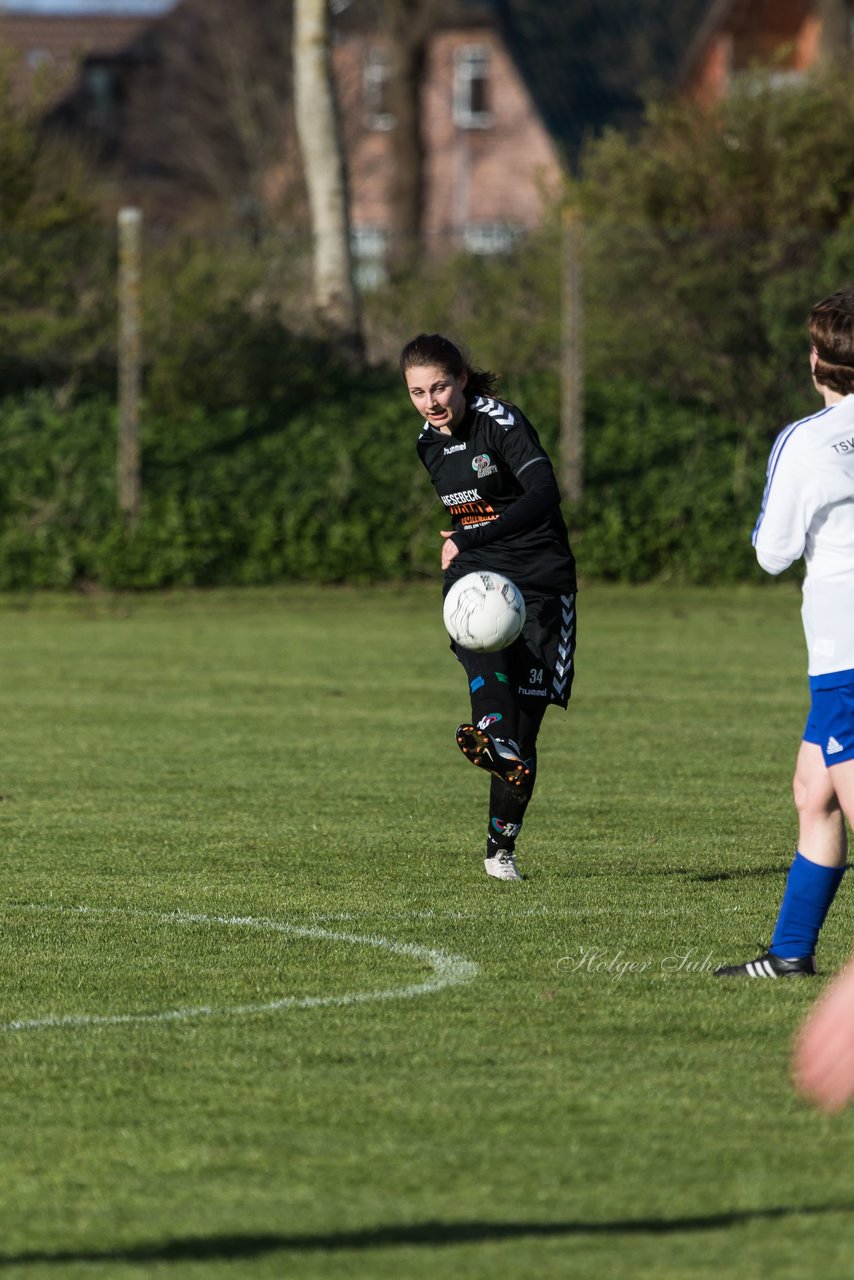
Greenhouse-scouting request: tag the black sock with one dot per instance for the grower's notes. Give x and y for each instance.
(507, 807)
(493, 706)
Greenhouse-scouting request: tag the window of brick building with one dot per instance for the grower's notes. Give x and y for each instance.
(490, 237)
(369, 248)
(376, 82)
(102, 96)
(37, 58)
(471, 87)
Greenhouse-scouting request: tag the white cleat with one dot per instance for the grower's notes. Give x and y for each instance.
(503, 866)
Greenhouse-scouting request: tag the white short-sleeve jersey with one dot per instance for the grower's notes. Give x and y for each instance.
(808, 510)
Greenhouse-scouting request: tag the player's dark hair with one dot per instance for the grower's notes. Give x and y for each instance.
(831, 327)
(433, 348)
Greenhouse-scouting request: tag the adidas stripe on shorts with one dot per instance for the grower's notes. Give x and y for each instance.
(830, 723)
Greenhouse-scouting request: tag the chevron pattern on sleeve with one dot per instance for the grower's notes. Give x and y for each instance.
(502, 413)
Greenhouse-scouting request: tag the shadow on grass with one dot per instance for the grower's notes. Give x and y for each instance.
(711, 877)
(431, 1234)
(746, 873)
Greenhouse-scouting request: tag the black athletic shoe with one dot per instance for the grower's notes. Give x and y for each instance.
(497, 755)
(768, 966)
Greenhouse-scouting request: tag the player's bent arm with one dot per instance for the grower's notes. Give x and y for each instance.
(773, 563)
(540, 497)
(789, 504)
(780, 536)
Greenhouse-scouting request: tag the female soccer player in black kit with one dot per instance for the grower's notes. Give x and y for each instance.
(497, 483)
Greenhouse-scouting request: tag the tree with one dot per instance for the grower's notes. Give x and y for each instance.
(335, 296)
(209, 111)
(55, 257)
(403, 30)
(709, 234)
(409, 26)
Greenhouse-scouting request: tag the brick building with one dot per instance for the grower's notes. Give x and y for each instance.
(490, 163)
(510, 91)
(785, 37)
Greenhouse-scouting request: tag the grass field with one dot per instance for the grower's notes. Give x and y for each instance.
(217, 803)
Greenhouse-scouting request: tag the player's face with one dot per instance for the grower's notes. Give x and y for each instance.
(437, 395)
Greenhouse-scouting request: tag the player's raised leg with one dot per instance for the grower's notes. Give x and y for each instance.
(499, 756)
(491, 740)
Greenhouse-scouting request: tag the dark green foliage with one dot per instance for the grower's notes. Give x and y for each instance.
(56, 259)
(708, 241)
(326, 489)
(670, 492)
(505, 310)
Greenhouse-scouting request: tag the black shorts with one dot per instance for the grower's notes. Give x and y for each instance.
(541, 663)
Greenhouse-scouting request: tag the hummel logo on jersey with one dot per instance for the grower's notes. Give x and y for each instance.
(833, 747)
(454, 448)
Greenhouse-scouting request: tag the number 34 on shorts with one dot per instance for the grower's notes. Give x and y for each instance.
(544, 654)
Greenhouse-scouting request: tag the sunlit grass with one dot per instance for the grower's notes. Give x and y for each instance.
(591, 1103)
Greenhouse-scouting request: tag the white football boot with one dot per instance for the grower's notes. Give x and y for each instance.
(503, 866)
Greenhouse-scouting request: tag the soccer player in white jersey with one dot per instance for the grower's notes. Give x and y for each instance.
(808, 510)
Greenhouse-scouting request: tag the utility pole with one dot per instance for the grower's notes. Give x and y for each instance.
(571, 454)
(128, 468)
(835, 40)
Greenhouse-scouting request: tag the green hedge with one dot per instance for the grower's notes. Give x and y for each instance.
(326, 487)
(672, 491)
(325, 493)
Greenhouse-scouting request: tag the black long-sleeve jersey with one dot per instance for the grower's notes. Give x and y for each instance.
(497, 482)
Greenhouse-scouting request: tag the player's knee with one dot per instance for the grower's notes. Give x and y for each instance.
(813, 797)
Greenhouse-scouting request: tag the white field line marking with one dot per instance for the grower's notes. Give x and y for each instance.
(448, 971)
(486, 916)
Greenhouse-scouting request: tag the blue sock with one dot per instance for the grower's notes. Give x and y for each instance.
(810, 889)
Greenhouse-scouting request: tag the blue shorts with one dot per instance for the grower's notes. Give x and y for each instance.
(830, 723)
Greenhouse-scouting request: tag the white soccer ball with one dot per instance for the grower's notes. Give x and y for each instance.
(484, 611)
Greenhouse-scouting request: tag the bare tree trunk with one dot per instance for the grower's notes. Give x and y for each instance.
(213, 108)
(409, 28)
(835, 16)
(335, 295)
